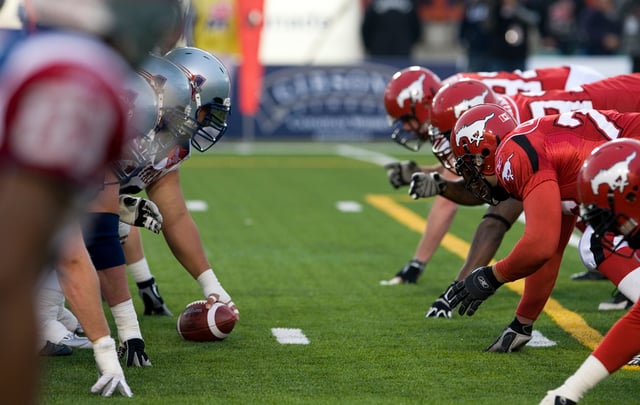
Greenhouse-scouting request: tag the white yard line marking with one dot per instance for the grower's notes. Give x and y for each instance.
(290, 336)
(364, 155)
(349, 206)
(197, 205)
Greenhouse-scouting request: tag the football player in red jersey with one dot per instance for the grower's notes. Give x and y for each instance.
(455, 98)
(537, 163)
(62, 123)
(407, 100)
(608, 184)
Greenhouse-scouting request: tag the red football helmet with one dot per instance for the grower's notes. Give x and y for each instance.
(407, 99)
(609, 190)
(474, 140)
(448, 104)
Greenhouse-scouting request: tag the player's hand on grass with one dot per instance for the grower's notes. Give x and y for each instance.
(111, 376)
(474, 290)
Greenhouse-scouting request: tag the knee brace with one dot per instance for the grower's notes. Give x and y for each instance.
(102, 240)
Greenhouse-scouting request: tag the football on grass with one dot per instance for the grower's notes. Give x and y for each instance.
(199, 324)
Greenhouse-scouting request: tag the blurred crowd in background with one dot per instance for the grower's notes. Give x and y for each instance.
(500, 34)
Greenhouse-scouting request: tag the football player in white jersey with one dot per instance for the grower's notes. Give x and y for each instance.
(62, 123)
(193, 118)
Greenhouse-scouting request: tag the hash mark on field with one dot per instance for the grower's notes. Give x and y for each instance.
(290, 336)
(197, 205)
(540, 340)
(348, 206)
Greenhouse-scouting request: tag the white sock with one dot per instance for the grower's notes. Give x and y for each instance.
(140, 270)
(630, 285)
(590, 373)
(126, 321)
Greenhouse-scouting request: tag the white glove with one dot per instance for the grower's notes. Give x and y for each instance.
(109, 369)
(426, 185)
(140, 212)
(399, 173)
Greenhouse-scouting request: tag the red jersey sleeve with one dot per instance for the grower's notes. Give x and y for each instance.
(543, 213)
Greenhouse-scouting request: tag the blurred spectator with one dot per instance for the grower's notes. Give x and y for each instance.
(600, 28)
(630, 13)
(511, 21)
(390, 28)
(559, 25)
(473, 35)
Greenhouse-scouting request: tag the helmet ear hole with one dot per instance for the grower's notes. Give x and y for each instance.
(485, 152)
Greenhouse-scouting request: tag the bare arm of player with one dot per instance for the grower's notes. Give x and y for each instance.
(489, 234)
(541, 235)
(179, 229)
(457, 192)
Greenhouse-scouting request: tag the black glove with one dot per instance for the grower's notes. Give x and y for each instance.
(133, 351)
(441, 308)
(473, 290)
(399, 173)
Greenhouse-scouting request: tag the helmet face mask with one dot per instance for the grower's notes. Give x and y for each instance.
(212, 125)
(609, 191)
(441, 148)
(469, 168)
(408, 132)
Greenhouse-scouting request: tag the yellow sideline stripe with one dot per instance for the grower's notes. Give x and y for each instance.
(569, 321)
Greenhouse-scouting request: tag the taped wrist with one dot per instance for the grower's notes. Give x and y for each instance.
(104, 352)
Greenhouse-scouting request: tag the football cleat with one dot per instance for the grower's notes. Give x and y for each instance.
(153, 302)
(617, 301)
(635, 361)
(75, 341)
(52, 349)
(510, 341)
(133, 351)
(588, 275)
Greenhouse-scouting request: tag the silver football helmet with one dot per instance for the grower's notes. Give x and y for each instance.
(210, 88)
(174, 100)
(141, 101)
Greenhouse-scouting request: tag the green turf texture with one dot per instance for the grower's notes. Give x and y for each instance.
(291, 259)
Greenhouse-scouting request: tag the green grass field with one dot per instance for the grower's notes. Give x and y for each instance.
(291, 259)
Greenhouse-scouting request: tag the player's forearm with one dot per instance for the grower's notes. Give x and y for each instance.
(457, 192)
